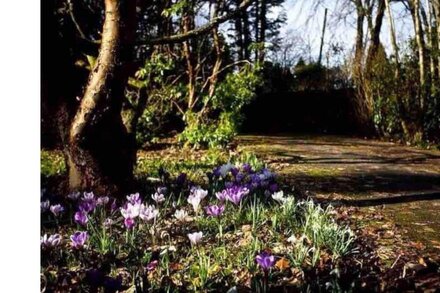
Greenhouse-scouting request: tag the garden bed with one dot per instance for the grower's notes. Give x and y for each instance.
(238, 231)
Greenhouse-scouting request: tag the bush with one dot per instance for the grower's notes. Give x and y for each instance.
(218, 126)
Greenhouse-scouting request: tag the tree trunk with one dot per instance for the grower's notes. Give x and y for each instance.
(246, 36)
(427, 19)
(375, 34)
(188, 24)
(322, 37)
(257, 27)
(218, 55)
(100, 153)
(393, 38)
(239, 36)
(262, 31)
(415, 7)
(436, 7)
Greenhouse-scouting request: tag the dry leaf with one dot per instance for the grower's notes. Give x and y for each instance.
(282, 264)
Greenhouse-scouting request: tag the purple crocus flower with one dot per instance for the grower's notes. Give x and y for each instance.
(56, 209)
(265, 260)
(162, 190)
(148, 213)
(221, 196)
(87, 206)
(45, 205)
(158, 197)
(101, 201)
(152, 265)
(239, 177)
(50, 241)
(273, 187)
(134, 198)
(216, 172)
(224, 169)
(131, 210)
(113, 206)
(81, 218)
(74, 195)
(255, 181)
(181, 179)
(129, 223)
(108, 222)
(247, 168)
(229, 184)
(236, 193)
(215, 210)
(88, 196)
(78, 239)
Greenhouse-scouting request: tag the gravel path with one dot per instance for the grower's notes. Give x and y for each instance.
(403, 181)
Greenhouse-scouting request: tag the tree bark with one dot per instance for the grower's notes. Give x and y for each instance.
(262, 31)
(427, 19)
(218, 55)
(188, 21)
(100, 153)
(393, 38)
(436, 6)
(257, 27)
(246, 36)
(415, 7)
(239, 36)
(375, 33)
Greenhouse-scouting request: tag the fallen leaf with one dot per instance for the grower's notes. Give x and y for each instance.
(282, 264)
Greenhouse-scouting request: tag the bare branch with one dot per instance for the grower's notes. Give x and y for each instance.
(197, 31)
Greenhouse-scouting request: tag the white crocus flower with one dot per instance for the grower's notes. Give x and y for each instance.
(148, 213)
(131, 211)
(194, 201)
(158, 197)
(196, 191)
(195, 237)
(279, 196)
(180, 215)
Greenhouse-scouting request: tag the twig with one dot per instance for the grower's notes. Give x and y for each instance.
(398, 257)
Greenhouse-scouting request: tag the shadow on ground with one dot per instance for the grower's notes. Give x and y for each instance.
(359, 172)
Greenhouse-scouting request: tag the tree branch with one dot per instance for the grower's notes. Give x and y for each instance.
(197, 31)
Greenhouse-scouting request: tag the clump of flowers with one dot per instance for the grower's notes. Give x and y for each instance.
(105, 224)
